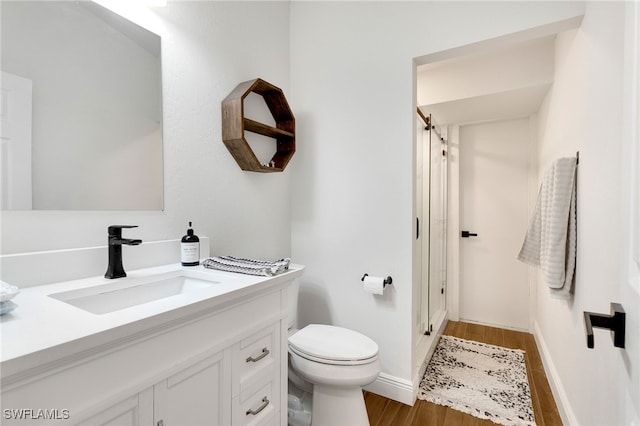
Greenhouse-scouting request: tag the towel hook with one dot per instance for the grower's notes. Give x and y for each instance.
(614, 322)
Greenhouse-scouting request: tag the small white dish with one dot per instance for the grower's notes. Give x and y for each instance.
(6, 307)
(7, 291)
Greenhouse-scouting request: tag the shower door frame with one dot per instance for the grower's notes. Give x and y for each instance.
(427, 319)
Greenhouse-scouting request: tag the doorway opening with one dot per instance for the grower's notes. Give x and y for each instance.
(494, 81)
(490, 117)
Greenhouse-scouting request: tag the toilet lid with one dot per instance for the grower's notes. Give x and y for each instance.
(328, 342)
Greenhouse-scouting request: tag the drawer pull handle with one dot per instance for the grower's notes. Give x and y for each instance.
(264, 353)
(264, 404)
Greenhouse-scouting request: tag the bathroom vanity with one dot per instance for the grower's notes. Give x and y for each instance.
(164, 346)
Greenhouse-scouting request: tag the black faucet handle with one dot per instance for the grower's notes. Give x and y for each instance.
(116, 230)
(115, 242)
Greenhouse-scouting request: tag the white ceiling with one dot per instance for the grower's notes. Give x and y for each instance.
(502, 105)
(502, 84)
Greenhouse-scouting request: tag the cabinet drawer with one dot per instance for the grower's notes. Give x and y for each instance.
(258, 406)
(257, 359)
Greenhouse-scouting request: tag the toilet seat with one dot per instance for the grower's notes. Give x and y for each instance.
(329, 344)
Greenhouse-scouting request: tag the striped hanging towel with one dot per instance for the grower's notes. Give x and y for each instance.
(550, 242)
(247, 266)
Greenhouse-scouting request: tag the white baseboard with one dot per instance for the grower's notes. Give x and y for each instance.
(406, 391)
(426, 347)
(392, 387)
(559, 394)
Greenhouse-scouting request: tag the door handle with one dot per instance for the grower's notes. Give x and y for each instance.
(614, 322)
(467, 234)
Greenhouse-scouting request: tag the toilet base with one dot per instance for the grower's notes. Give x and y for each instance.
(334, 406)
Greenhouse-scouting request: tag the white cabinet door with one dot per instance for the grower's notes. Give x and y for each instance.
(197, 395)
(136, 410)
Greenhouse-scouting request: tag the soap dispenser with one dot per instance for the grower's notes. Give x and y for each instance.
(190, 248)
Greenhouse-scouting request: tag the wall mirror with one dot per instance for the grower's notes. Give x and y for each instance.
(81, 109)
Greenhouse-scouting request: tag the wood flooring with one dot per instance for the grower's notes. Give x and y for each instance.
(383, 411)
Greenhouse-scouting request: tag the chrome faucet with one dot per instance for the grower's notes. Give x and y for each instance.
(115, 242)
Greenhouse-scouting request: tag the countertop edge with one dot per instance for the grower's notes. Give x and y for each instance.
(51, 359)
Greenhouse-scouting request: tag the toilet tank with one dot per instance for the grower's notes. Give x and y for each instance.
(294, 287)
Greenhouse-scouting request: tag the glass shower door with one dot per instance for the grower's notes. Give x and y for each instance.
(436, 201)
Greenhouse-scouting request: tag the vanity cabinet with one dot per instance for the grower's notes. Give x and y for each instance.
(206, 365)
(201, 393)
(133, 411)
(196, 395)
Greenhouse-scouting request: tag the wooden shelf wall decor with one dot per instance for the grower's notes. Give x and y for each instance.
(235, 124)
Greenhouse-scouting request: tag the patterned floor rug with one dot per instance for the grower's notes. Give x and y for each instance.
(486, 381)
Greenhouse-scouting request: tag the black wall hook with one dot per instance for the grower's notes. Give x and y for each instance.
(387, 281)
(614, 322)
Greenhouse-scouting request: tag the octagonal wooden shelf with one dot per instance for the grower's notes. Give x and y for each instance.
(235, 124)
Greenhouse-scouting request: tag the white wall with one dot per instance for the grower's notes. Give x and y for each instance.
(353, 91)
(208, 48)
(583, 112)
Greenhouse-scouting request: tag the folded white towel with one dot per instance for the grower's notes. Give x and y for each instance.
(550, 243)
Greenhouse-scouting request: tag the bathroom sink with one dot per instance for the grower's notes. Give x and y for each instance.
(106, 298)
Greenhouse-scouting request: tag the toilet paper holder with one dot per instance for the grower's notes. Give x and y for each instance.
(387, 281)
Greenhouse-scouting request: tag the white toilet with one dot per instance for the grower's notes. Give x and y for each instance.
(337, 362)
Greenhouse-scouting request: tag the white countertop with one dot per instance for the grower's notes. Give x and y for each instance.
(43, 325)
